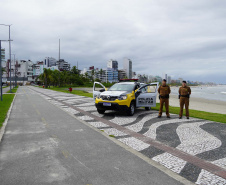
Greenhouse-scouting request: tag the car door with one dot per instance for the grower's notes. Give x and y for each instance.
(146, 95)
(97, 90)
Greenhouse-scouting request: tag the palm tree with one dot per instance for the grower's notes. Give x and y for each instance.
(86, 75)
(55, 77)
(74, 70)
(47, 77)
(41, 78)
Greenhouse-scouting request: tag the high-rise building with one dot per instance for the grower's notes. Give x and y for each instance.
(121, 74)
(24, 69)
(112, 75)
(112, 64)
(49, 62)
(2, 54)
(63, 65)
(112, 71)
(164, 76)
(127, 66)
(169, 80)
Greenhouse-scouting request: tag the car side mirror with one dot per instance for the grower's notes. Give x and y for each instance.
(102, 90)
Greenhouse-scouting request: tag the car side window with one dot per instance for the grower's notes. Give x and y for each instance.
(144, 90)
(136, 87)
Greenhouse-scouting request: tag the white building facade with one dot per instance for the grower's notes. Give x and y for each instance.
(127, 66)
(49, 62)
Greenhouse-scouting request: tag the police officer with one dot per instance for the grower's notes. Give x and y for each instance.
(164, 91)
(184, 95)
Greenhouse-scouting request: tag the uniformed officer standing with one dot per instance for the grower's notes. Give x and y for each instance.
(184, 95)
(164, 91)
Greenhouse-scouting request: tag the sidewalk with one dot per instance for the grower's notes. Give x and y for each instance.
(194, 148)
(45, 145)
(4, 90)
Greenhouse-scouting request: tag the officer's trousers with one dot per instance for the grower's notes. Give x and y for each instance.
(184, 101)
(162, 101)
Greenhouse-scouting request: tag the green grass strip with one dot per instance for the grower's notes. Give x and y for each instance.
(13, 90)
(174, 110)
(77, 92)
(4, 106)
(196, 114)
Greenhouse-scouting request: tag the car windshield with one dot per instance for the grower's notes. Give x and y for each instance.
(122, 87)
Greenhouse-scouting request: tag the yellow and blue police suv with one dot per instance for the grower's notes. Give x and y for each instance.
(125, 96)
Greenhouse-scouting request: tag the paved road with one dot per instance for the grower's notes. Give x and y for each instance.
(45, 145)
(194, 149)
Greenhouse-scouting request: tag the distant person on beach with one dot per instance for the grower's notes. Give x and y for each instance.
(184, 95)
(164, 91)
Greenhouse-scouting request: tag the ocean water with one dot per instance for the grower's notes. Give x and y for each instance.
(207, 92)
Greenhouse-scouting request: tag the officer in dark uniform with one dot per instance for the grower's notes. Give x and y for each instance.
(184, 95)
(164, 91)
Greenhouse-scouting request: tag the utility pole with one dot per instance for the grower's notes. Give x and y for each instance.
(10, 58)
(14, 70)
(1, 67)
(59, 50)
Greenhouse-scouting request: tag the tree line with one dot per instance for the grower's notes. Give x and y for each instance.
(66, 78)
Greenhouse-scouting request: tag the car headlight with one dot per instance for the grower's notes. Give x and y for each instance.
(122, 97)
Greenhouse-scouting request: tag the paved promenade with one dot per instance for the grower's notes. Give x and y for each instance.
(194, 149)
(46, 144)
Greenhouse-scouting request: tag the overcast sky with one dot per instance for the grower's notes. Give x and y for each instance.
(183, 38)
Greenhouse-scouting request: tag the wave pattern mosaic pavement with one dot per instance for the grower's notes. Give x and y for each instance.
(190, 136)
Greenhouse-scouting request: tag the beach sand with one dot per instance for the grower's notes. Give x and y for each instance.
(201, 104)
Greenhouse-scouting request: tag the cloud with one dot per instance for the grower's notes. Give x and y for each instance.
(182, 38)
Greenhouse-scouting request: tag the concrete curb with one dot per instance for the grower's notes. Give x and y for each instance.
(2, 130)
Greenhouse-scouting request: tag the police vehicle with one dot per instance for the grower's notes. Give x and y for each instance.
(125, 96)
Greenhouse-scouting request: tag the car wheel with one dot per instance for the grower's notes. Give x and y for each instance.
(131, 109)
(100, 111)
(147, 108)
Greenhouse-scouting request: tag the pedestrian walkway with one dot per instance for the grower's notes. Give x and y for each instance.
(45, 145)
(194, 148)
(4, 90)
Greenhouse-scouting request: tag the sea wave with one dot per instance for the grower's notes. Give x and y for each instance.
(223, 92)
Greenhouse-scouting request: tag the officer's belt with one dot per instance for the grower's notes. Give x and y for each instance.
(185, 96)
(164, 97)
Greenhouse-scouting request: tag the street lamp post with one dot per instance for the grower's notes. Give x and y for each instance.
(14, 69)
(1, 66)
(9, 54)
